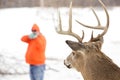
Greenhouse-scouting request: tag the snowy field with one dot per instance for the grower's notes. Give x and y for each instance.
(16, 22)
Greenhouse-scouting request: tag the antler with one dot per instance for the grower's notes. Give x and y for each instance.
(69, 31)
(99, 26)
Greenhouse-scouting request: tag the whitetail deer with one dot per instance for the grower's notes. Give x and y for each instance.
(87, 57)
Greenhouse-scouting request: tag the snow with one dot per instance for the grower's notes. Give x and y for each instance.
(16, 22)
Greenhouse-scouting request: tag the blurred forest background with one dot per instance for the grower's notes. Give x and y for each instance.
(55, 3)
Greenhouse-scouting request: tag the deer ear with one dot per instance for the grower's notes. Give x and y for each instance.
(98, 41)
(99, 45)
(74, 45)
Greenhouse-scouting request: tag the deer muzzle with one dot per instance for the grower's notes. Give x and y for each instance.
(68, 65)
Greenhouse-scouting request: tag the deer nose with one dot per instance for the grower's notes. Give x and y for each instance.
(68, 65)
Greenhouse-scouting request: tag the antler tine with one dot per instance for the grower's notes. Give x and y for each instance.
(107, 15)
(107, 24)
(69, 31)
(93, 27)
(99, 26)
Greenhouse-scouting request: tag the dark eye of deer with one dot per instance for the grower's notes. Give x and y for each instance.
(73, 53)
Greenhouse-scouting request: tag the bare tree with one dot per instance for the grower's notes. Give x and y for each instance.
(42, 3)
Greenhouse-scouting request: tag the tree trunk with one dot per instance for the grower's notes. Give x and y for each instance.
(42, 3)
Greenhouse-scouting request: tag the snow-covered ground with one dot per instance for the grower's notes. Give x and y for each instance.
(16, 22)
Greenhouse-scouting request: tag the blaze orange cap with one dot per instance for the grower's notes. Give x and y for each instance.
(35, 28)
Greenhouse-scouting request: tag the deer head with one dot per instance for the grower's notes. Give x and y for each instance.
(87, 57)
(82, 50)
(94, 44)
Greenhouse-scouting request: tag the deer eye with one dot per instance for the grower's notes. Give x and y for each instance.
(73, 53)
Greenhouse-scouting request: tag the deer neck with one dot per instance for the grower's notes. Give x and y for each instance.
(98, 67)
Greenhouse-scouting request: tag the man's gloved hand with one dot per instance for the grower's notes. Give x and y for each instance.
(33, 35)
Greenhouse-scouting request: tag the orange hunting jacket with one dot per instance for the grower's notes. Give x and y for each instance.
(35, 53)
